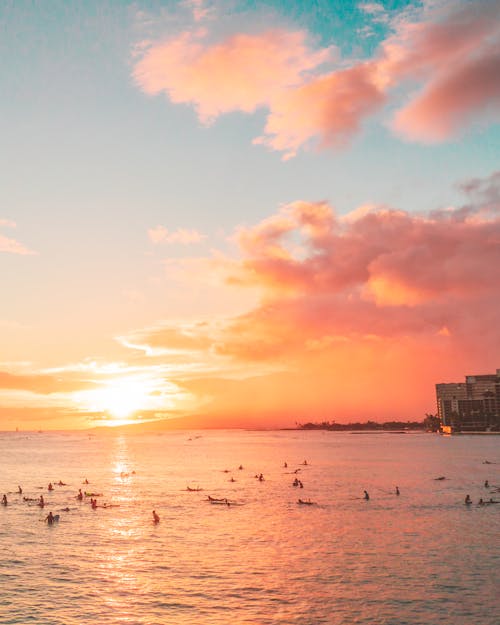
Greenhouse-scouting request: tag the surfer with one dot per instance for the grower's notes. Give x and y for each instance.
(156, 518)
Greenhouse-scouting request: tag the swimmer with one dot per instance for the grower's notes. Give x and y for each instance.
(80, 494)
(50, 518)
(93, 503)
(50, 487)
(156, 518)
(480, 502)
(60, 483)
(41, 502)
(19, 490)
(240, 468)
(86, 481)
(4, 500)
(261, 478)
(397, 490)
(285, 465)
(468, 500)
(486, 484)
(305, 463)
(366, 495)
(300, 484)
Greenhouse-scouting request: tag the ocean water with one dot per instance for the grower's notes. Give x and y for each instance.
(419, 558)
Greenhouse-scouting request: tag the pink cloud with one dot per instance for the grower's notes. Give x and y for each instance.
(387, 301)
(240, 73)
(11, 246)
(450, 103)
(328, 109)
(445, 49)
(160, 234)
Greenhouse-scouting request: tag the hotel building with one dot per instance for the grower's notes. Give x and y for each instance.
(470, 406)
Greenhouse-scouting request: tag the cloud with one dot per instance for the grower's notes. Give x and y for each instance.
(328, 109)
(443, 54)
(359, 315)
(11, 246)
(41, 384)
(240, 73)
(160, 234)
(371, 8)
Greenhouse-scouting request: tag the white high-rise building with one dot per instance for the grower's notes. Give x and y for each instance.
(473, 405)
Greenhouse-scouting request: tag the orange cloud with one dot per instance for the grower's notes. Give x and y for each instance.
(359, 317)
(41, 384)
(240, 73)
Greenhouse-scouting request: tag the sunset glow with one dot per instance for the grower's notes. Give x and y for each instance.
(246, 214)
(120, 398)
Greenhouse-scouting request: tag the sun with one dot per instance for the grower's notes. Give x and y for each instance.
(123, 397)
(119, 398)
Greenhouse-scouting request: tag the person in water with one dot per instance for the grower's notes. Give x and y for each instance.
(4, 500)
(41, 502)
(285, 465)
(80, 495)
(50, 518)
(468, 500)
(156, 518)
(19, 490)
(366, 496)
(50, 487)
(486, 484)
(397, 490)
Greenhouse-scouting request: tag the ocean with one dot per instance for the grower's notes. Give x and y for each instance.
(419, 558)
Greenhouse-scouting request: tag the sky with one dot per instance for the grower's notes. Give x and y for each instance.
(246, 214)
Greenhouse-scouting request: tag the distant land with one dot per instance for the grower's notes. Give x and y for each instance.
(430, 423)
